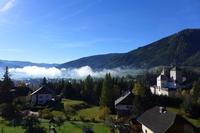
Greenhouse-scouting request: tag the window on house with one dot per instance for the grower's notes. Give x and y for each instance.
(145, 131)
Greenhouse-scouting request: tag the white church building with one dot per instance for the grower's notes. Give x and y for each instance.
(167, 84)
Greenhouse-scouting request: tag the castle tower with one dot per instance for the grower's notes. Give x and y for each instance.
(176, 75)
(163, 71)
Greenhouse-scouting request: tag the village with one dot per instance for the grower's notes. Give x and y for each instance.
(99, 66)
(157, 119)
(143, 109)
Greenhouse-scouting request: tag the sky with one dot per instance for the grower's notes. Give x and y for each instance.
(58, 31)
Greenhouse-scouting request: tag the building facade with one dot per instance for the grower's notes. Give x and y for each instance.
(124, 104)
(41, 96)
(168, 85)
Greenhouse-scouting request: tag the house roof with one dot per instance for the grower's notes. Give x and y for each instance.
(122, 97)
(43, 90)
(157, 121)
(175, 69)
(162, 77)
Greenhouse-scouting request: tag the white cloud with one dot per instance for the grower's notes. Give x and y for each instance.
(35, 72)
(7, 5)
(74, 73)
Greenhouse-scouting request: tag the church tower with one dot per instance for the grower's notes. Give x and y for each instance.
(176, 75)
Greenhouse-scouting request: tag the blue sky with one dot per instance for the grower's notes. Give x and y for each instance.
(57, 31)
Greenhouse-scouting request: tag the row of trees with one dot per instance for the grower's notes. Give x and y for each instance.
(106, 90)
(191, 100)
(94, 91)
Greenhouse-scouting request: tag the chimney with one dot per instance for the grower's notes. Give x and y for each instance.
(162, 110)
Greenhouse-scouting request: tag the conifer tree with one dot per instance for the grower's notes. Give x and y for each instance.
(196, 90)
(44, 81)
(6, 86)
(87, 91)
(106, 98)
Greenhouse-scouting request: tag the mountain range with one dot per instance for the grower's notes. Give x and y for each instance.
(19, 64)
(182, 49)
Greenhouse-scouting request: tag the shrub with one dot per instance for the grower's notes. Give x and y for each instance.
(59, 120)
(93, 120)
(103, 112)
(8, 111)
(46, 114)
(58, 114)
(70, 111)
(82, 118)
(31, 124)
(36, 129)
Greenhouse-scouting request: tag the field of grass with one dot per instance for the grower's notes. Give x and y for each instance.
(76, 127)
(67, 127)
(82, 110)
(73, 103)
(195, 122)
(88, 113)
(6, 128)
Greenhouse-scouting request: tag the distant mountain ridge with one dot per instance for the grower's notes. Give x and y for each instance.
(182, 48)
(19, 64)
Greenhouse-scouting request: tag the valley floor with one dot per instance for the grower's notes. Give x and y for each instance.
(67, 127)
(85, 116)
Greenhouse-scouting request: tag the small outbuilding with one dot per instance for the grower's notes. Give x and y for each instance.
(124, 104)
(42, 96)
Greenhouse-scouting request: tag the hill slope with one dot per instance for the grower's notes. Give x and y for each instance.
(182, 48)
(19, 64)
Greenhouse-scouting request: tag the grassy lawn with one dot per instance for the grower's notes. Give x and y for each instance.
(67, 127)
(72, 103)
(100, 128)
(82, 110)
(195, 122)
(88, 113)
(8, 129)
(76, 127)
(5, 128)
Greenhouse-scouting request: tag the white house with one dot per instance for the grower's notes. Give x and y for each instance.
(167, 85)
(41, 96)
